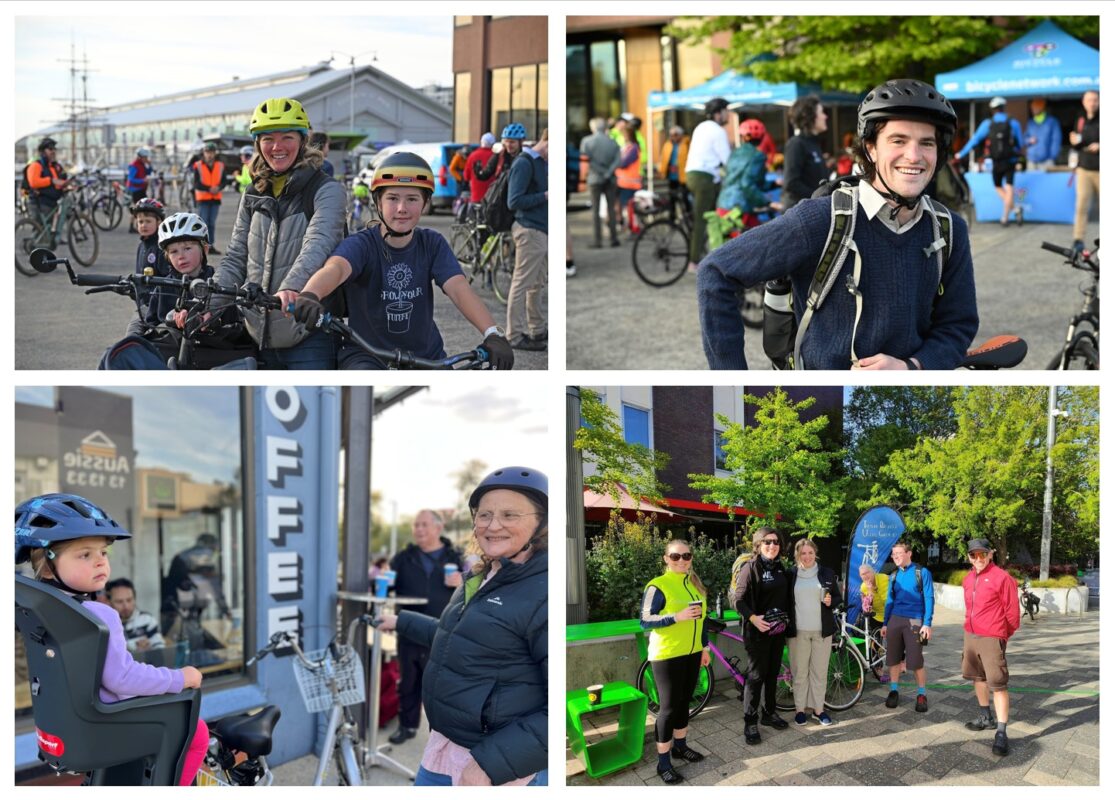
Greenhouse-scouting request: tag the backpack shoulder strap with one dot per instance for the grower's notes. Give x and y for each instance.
(842, 227)
(941, 246)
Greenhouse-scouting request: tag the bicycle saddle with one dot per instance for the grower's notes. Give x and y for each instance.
(249, 732)
(998, 352)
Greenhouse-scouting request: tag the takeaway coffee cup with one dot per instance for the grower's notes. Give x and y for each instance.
(382, 584)
(595, 694)
(451, 570)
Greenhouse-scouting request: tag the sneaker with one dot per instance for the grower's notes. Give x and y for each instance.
(570, 270)
(213, 249)
(800, 718)
(980, 723)
(540, 337)
(402, 734)
(892, 699)
(692, 268)
(823, 718)
(772, 720)
(1001, 747)
(751, 733)
(688, 754)
(614, 243)
(921, 704)
(670, 775)
(524, 342)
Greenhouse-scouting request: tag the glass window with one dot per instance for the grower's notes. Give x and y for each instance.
(636, 425)
(460, 22)
(543, 98)
(718, 449)
(606, 84)
(166, 464)
(501, 99)
(524, 98)
(462, 93)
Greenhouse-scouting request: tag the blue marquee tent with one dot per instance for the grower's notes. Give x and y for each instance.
(742, 90)
(1046, 62)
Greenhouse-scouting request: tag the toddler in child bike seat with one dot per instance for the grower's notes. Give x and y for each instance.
(66, 538)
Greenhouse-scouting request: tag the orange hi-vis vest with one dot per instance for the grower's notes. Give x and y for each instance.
(208, 176)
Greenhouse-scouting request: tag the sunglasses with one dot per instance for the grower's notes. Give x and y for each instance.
(978, 554)
(771, 542)
(680, 556)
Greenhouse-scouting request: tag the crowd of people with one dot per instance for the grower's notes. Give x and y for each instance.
(789, 605)
(290, 240)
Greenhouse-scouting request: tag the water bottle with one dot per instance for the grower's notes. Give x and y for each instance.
(719, 615)
(779, 325)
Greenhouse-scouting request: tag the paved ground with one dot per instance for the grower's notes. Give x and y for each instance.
(1054, 726)
(58, 327)
(615, 321)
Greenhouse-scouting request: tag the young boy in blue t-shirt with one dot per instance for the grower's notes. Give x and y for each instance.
(387, 271)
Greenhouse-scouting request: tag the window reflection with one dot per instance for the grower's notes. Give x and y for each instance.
(166, 464)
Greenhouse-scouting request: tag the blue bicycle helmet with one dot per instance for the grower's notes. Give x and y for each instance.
(49, 518)
(514, 131)
(529, 481)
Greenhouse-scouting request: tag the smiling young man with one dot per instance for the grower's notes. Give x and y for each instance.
(897, 290)
(388, 271)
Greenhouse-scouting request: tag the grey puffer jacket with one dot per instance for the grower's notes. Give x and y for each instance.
(274, 245)
(484, 686)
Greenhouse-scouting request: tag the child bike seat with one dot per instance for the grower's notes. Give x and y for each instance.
(137, 742)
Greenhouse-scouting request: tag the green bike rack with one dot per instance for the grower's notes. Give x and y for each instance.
(622, 750)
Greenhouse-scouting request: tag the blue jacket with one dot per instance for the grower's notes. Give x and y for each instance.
(904, 599)
(1048, 136)
(985, 128)
(903, 316)
(744, 180)
(526, 191)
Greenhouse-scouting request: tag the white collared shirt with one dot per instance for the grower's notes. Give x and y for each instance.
(872, 203)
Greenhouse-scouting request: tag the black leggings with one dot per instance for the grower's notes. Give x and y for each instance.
(765, 656)
(675, 678)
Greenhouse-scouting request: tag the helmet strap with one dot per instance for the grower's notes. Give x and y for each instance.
(903, 202)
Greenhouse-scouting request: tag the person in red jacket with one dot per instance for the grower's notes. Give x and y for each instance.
(479, 157)
(991, 616)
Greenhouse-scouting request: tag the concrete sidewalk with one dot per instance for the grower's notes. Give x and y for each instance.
(615, 321)
(1054, 725)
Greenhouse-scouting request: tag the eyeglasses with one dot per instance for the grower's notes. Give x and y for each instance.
(978, 554)
(771, 542)
(506, 518)
(680, 556)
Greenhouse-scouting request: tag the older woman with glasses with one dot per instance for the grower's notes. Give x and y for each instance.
(673, 610)
(484, 687)
(763, 598)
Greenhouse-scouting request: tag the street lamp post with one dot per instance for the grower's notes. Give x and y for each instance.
(352, 82)
(1047, 511)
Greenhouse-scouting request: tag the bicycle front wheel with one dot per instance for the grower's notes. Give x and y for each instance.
(81, 235)
(107, 213)
(701, 692)
(845, 678)
(661, 253)
(27, 233)
(349, 770)
(1084, 353)
(503, 269)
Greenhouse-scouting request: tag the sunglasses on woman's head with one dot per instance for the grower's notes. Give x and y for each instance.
(680, 556)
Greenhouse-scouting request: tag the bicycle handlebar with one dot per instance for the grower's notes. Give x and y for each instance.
(1062, 251)
(397, 358)
(287, 639)
(249, 295)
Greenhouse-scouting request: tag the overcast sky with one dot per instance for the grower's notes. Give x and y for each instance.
(417, 443)
(136, 51)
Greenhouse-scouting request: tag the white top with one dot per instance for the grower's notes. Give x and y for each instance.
(873, 204)
(708, 149)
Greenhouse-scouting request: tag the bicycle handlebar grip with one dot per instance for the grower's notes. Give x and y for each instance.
(98, 280)
(1061, 251)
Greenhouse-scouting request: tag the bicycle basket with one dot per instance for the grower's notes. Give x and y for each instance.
(314, 683)
(210, 776)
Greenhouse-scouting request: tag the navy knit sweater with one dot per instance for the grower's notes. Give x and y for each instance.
(898, 283)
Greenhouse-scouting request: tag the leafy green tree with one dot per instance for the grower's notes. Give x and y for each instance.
(854, 54)
(987, 479)
(617, 461)
(779, 467)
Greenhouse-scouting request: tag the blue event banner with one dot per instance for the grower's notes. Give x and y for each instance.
(875, 533)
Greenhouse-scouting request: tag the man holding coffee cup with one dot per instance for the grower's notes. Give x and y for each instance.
(429, 568)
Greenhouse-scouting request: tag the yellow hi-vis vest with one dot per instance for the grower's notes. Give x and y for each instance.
(684, 637)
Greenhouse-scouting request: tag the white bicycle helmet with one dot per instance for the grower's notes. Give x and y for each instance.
(182, 227)
(247, 150)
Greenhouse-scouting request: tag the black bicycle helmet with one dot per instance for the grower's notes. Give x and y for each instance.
(148, 205)
(907, 98)
(715, 105)
(47, 142)
(528, 481)
(49, 518)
